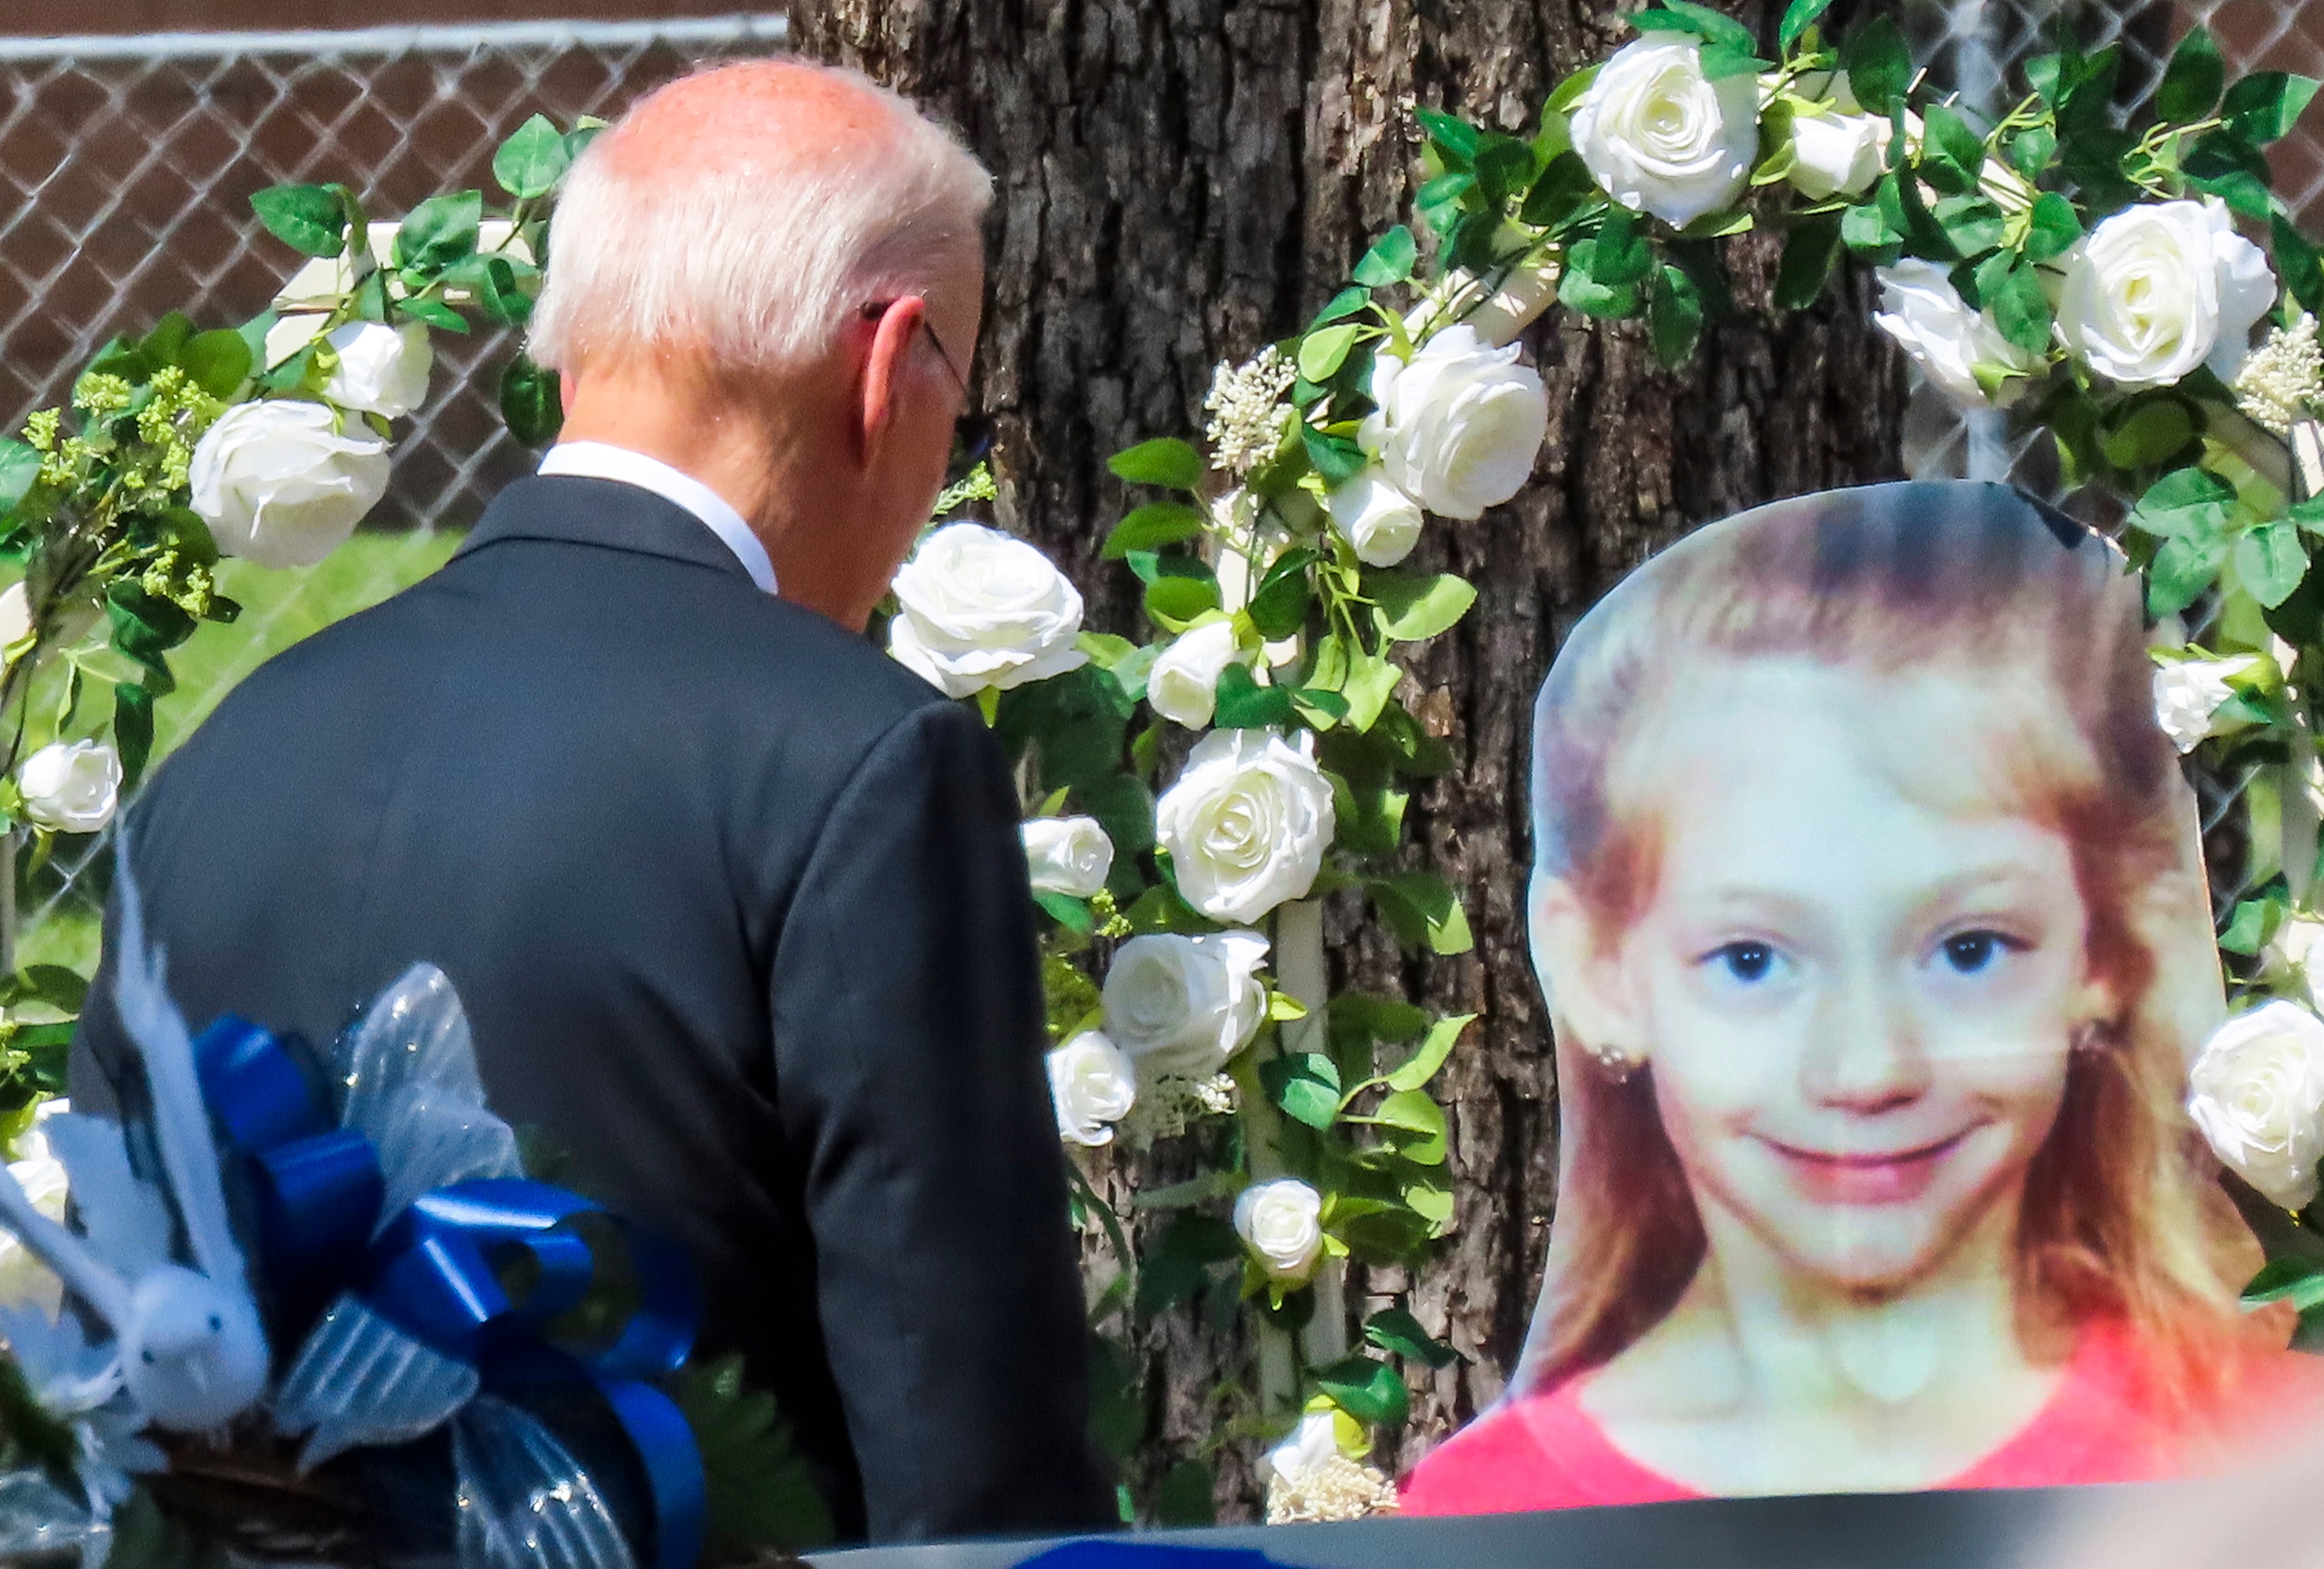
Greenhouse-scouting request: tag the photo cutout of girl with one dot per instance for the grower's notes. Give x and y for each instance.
(1868, 901)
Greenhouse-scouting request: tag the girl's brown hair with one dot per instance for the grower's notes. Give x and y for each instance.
(2121, 1220)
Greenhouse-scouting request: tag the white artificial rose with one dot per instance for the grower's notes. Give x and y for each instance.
(2298, 948)
(1459, 424)
(2161, 287)
(1380, 521)
(979, 608)
(1282, 1223)
(2256, 1091)
(16, 614)
(1246, 824)
(1093, 1085)
(1311, 1444)
(382, 370)
(24, 1278)
(1921, 309)
(2189, 692)
(1184, 1005)
(70, 786)
(1661, 138)
(1839, 152)
(277, 483)
(1182, 686)
(1068, 856)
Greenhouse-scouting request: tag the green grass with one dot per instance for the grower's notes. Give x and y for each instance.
(278, 609)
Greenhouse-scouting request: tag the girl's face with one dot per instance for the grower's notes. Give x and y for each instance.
(1856, 997)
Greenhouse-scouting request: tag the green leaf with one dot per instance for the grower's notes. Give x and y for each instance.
(2191, 82)
(2226, 165)
(2298, 1281)
(1185, 1498)
(312, 219)
(529, 401)
(133, 730)
(2149, 434)
(1151, 527)
(1178, 1261)
(2055, 227)
(1371, 682)
(1808, 256)
(1621, 254)
(1395, 1331)
(1174, 601)
(435, 313)
(1322, 352)
(1878, 63)
(1244, 704)
(2246, 933)
(1165, 461)
(1423, 911)
(1568, 93)
(760, 1491)
(1345, 303)
(1374, 1018)
(1389, 261)
(1714, 27)
(2183, 568)
(1337, 458)
(1073, 914)
(1974, 225)
(1413, 608)
(531, 162)
(1675, 316)
(2270, 562)
(1367, 1390)
(1720, 62)
(1579, 289)
(2263, 107)
(218, 361)
(20, 469)
(2299, 263)
(440, 231)
(1422, 1066)
(1798, 17)
(1455, 138)
(2185, 503)
(1417, 1124)
(2018, 303)
(2031, 150)
(1305, 1086)
(1278, 607)
(1952, 154)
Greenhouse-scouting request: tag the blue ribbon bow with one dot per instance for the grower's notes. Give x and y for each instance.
(431, 1269)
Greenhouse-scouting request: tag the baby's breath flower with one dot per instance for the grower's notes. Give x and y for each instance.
(2280, 382)
(1247, 409)
(1170, 1103)
(102, 394)
(40, 429)
(1332, 1488)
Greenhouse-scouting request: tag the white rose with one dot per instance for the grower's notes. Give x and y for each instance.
(1185, 1005)
(1282, 1223)
(70, 786)
(979, 608)
(24, 1279)
(1380, 521)
(16, 614)
(1068, 855)
(1182, 686)
(1313, 1442)
(1661, 138)
(1839, 152)
(2161, 287)
(2189, 692)
(1921, 309)
(277, 483)
(1459, 424)
(383, 370)
(1092, 1084)
(2296, 948)
(1247, 823)
(2257, 1093)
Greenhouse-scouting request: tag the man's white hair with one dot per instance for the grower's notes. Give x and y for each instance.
(756, 257)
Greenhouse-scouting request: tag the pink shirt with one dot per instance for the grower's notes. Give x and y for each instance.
(1546, 1452)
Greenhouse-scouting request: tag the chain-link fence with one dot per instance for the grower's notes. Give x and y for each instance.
(126, 166)
(1974, 48)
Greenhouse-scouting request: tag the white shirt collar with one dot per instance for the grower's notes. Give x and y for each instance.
(603, 460)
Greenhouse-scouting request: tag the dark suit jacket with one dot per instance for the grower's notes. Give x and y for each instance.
(738, 911)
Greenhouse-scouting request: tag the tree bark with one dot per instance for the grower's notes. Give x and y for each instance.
(1180, 182)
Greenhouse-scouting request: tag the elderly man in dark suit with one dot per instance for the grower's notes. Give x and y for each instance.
(736, 903)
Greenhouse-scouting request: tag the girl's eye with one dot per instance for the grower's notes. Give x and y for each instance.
(1972, 952)
(1747, 962)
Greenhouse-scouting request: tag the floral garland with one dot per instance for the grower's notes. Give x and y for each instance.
(2092, 280)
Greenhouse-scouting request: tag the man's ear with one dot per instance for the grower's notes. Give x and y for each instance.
(1591, 1001)
(894, 335)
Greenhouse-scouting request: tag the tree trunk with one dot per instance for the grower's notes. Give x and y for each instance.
(1178, 183)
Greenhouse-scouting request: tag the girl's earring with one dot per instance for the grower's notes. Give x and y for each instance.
(1617, 1062)
(2091, 1037)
